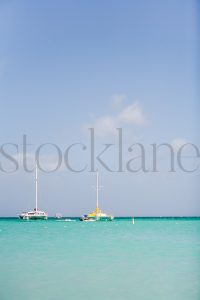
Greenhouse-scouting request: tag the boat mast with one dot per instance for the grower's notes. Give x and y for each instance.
(97, 188)
(36, 188)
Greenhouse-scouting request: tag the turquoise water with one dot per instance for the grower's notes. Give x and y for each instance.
(153, 259)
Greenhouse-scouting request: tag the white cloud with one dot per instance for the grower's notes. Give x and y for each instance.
(105, 126)
(132, 114)
(129, 115)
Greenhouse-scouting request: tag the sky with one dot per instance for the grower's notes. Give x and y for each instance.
(66, 66)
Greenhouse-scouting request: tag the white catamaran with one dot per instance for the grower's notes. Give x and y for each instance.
(35, 214)
(97, 214)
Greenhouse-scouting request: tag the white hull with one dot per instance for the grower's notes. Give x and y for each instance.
(34, 215)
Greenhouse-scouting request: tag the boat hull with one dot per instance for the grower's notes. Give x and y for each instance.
(96, 218)
(103, 219)
(33, 217)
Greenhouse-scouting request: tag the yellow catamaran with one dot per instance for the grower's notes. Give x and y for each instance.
(97, 214)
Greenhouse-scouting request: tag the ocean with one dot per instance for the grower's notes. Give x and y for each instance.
(156, 258)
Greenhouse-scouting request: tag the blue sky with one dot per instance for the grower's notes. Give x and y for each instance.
(68, 65)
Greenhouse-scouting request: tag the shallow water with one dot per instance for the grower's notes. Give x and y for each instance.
(153, 259)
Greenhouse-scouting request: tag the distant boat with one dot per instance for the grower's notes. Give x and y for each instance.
(58, 216)
(35, 214)
(97, 214)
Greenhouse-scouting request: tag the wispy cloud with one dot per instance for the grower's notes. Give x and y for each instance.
(132, 114)
(128, 115)
(105, 125)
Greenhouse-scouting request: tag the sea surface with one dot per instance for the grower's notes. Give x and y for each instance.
(156, 258)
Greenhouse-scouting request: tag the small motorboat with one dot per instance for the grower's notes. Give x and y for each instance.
(58, 216)
(85, 218)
